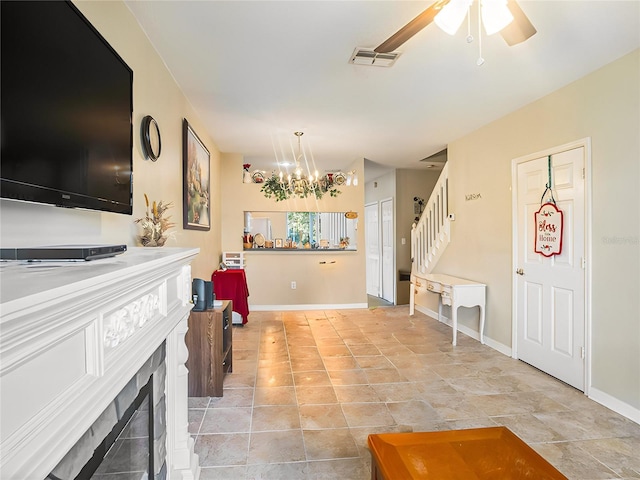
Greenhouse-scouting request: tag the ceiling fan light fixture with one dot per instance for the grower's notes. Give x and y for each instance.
(495, 15)
(452, 15)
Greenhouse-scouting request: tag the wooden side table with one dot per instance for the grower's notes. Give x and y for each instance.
(478, 453)
(210, 344)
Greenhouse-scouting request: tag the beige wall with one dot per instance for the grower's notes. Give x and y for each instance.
(154, 93)
(410, 184)
(270, 273)
(380, 188)
(604, 106)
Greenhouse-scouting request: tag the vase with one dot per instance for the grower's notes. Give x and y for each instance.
(246, 177)
(152, 242)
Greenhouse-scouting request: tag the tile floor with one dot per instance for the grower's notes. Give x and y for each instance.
(308, 387)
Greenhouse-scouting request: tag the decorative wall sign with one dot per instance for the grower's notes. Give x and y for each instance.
(548, 228)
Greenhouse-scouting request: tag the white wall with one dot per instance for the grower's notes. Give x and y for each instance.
(154, 93)
(605, 106)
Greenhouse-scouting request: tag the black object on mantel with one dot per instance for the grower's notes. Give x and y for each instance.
(62, 252)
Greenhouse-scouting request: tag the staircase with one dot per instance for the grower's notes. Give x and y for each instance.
(430, 236)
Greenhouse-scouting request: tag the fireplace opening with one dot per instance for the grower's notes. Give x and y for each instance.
(128, 449)
(127, 441)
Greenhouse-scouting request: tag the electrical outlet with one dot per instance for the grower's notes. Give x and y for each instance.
(293, 285)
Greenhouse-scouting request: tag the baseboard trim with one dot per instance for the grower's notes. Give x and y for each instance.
(308, 306)
(615, 404)
(596, 395)
(499, 347)
(489, 342)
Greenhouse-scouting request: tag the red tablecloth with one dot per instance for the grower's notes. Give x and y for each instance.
(231, 284)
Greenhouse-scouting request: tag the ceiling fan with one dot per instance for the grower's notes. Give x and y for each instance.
(519, 30)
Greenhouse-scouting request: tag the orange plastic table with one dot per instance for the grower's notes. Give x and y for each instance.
(493, 453)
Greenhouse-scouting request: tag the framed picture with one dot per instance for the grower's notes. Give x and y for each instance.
(196, 204)
(278, 243)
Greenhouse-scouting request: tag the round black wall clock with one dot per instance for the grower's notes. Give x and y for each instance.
(151, 144)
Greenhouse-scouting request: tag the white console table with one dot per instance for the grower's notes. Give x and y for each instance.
(73, 334)
(453, 291)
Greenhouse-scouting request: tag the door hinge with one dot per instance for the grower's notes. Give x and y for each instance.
(583, 263)
(582, 352)
(583, 173)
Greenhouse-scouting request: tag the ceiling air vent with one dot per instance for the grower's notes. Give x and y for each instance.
(366, 56)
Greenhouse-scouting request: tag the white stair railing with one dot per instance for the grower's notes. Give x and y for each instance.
(430, 236)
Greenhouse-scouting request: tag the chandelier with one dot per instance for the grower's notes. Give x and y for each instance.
(494, 15)
(301, 183)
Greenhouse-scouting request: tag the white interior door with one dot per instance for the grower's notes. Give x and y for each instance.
(372, 243)
(388, 270)
(550, 291)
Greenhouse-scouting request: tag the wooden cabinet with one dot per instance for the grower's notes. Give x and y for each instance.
(209, 340)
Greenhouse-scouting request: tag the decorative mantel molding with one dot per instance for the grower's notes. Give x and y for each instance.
(126, 321)
(72, 336)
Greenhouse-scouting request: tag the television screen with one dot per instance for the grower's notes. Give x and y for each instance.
(67, 102)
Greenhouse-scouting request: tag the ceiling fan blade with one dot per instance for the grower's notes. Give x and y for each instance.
(411, 28)
(520, 29)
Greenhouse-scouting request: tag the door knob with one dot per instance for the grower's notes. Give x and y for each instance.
(520, 271)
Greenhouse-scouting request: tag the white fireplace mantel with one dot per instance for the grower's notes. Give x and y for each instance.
(72, 335)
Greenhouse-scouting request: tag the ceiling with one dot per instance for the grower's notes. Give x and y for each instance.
(256, 71)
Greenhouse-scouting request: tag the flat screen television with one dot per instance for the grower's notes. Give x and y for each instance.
(67, 102)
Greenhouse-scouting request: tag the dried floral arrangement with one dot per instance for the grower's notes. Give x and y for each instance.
(154, 224)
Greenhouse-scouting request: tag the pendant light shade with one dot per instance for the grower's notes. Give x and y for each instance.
(452, 15)
(495, 15)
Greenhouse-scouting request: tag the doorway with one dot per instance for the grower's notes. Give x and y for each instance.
(388, 257)
(380, 248)
(372, 246)
(550, 292)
